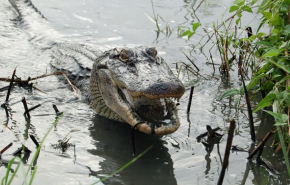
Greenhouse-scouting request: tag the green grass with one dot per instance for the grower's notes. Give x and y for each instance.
(6, 180)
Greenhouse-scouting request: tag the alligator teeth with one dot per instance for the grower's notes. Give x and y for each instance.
(169, 107)
(158, 112)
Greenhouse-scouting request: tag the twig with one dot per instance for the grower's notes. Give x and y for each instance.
(210, 55)
(25, 107)
(37, 88)
(190, 98)
(225, 48)
(227, 151)
(34, 140)
(5, 148)
(31, 79)
(56, 110)
(260, 152)
(6, 110)
(218, 46)
(17, 81)
(261, 144)
(191, 61)
(220, 25)
(240, 55)
(199, 5)
(32, 108)
(72, 86)
(10, 86)
(251, 121)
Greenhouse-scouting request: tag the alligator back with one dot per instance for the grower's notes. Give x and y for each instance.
(38, 29)
(74, 59)
(133, 85)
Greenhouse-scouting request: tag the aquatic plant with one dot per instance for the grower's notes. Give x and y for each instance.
(272, 68)
(7, 179)
(264, 56)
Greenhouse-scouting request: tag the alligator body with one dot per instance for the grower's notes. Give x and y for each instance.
(132, 85)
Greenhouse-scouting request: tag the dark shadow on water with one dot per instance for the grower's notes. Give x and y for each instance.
(113, 143)
(262, 175)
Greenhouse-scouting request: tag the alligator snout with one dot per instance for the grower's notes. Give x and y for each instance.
(165, 89)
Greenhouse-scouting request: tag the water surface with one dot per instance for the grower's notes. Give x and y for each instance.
(103, 146)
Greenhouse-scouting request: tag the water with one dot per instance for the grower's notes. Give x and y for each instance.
(103, 146)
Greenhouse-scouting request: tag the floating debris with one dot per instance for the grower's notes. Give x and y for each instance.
(63, 144)
(198, 138)
(238, 149)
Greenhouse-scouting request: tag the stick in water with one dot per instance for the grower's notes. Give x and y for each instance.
(250, 114)
(10, 86)
(25, 107)
(227, 152)
(190, 98)
(6, 147)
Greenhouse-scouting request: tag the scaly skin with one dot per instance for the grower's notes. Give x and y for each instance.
(132, 85)
(121, 76)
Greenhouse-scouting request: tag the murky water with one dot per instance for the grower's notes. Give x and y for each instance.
(103, 146)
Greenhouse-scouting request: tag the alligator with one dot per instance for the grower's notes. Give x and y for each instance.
(132, 85)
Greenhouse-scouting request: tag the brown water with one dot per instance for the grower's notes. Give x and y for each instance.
(103, 146)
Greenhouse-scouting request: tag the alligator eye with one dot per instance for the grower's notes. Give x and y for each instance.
(123, 55)
(152, 52)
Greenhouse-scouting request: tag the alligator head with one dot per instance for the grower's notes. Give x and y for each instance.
(136, 86)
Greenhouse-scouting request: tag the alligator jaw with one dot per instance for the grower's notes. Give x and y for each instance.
(136, 86)
(158, 116)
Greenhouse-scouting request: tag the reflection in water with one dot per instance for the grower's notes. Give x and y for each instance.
(114, 144)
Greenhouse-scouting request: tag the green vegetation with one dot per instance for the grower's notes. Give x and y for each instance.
(263, 55)
(166, 30)
(272, 66)
(6, 180)
(189, 32)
